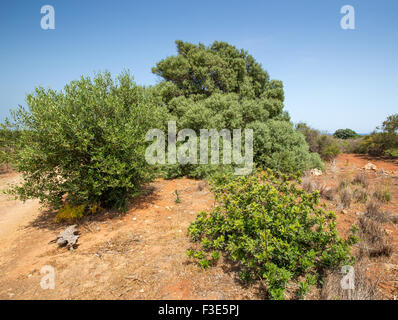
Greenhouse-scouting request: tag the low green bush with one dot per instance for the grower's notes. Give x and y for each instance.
(330, 152)
(273, 229)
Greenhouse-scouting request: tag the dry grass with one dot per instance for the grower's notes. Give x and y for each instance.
(375, 242)
(361, 179)
(383, 190)
(360, 195)
(343, 184)
(382, 194)
(327, 193)
(373, 211)
(365, 288)
(308, 185)
(345, 197)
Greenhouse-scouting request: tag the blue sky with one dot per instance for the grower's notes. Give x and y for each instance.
(333, 78)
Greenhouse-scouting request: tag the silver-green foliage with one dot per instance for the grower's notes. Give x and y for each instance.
(85, 143)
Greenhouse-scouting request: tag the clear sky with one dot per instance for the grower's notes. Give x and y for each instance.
(333, 78)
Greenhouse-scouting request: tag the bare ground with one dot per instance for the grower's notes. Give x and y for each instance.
(141, 254)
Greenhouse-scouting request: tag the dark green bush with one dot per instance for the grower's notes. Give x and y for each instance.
(221, 87)
(84, 144)
(278, 146)
(273, 229)
(345, 134)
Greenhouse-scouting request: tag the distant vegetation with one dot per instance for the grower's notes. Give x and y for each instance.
(345, 134)
(383, 142)
(330, 146)
(8, 140)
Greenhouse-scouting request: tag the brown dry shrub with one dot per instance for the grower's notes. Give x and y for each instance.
(327, 193)
(361, 179)
(308, 185)
(373, 211)
(343, 184)
(375, 241)
(360, 195)
(345, 197)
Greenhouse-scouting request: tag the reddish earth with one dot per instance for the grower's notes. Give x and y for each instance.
(348, 166)
(141, 254)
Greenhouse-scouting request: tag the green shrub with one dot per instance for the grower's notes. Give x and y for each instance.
(330, 152)
(273, 229)
(393, 153)
(278, 146)
(345, 134)
(84, 144)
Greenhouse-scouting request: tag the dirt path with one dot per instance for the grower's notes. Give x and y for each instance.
(14, 214)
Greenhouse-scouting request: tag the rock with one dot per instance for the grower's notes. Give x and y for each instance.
(68, 237)
(316, 172)
(370, 166)
(134, 218)
(344, 211)
(359, 213)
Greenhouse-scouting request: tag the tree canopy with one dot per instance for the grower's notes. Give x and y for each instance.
(222, 87)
